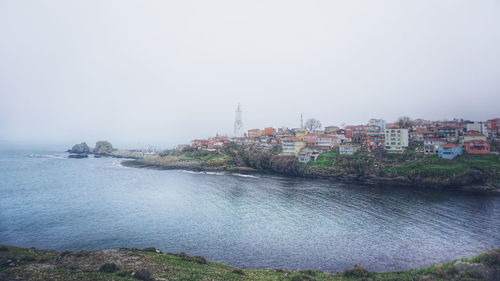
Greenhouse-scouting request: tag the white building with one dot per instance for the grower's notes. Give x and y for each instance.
(308, 154)
(472, 137)
(292, 145)
(379, 123)
(326, 141)
(477, 127)
(396, 140)
(431, 145)
(348, 149)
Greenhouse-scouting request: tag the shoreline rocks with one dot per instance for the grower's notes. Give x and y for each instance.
(368, 180)
(81, 148)
(78, 156)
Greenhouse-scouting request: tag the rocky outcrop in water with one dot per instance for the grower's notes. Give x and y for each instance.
(78, 156)
(103, 147)
(80, 148)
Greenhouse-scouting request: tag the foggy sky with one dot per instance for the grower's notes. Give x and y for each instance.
(164, 72)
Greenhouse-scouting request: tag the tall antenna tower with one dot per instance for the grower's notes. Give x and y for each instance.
(301, 122)
(238, 124)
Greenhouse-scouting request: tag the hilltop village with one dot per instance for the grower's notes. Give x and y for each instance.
(446, 139)
(457, 154)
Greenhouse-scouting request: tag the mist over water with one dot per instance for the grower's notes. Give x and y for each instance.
(49, 201)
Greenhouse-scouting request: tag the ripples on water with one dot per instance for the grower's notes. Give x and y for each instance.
(49, 201)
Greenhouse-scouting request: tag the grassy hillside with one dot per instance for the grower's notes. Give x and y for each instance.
(485, 165)
(132, 264)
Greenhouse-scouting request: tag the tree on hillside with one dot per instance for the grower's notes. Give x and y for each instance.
(405, 122)
(312, 124)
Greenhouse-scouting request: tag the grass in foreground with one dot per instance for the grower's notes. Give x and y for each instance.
(132, 264)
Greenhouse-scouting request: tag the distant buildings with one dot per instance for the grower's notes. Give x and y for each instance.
(450, 133)
(477, 147)
(472, 136)
(255, 133)
(375, 142)
(331, 129)
(396, 140)
(292, 145)
(431, 145)
(420, 136)
(348, 149)
(446, 139)
(449, 151)
(308, 154)
(327, 142)
(269, 131)
(477, 127)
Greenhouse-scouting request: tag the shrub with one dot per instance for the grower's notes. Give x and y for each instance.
(109, 268)
(301, 278)
(4, 249)
(143, 275)
(238, 271)
(124, 273)
(195, 259)
(357, 271)
(43, 260)
(309, 272)
(150, 249)
(28, 259)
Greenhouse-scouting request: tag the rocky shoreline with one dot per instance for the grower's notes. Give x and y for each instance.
(369, 180)
(475, 175)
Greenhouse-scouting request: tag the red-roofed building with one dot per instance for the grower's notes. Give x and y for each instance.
(477, 147)
(292, 145)
(494, 127)
(357, 130)
(431, 145)
(448, 132)
(327, 142)
(374, 142)
(420, 136)
(199, 143)
(254, 133)
(217, 143)
(392, 126)
(310, 139)
(494, 124)
(472, 136)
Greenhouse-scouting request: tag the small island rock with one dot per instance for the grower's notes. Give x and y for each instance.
(81, 148)
(103, 147)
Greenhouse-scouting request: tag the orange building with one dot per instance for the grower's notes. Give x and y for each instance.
(269, 131)
(477, 147)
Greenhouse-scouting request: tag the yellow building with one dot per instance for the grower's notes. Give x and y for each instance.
(292, 145)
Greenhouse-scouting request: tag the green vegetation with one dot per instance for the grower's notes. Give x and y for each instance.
(134, 264)
(434, 167)
(204, 155)
(325, 159)
(472, 172)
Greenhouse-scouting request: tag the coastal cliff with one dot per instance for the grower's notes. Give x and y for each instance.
(467, 172)
(151, 265)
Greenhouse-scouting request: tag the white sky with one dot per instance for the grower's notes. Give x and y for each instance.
(164, 72)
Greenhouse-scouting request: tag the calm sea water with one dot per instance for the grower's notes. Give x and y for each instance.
(49, 201)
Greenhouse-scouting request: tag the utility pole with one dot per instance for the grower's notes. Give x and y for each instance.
(238, 124)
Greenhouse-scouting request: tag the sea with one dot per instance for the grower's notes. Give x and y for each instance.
(50, 201)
